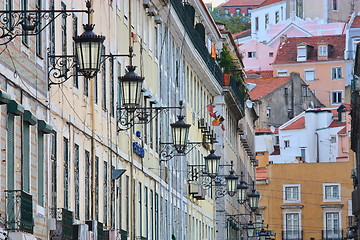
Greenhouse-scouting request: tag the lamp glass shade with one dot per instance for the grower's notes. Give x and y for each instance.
(212, 164)
(88, 51)
(250, 229)
(254, 200)
(180, 134)
(231, 183)
(131, 85)
(242, 192)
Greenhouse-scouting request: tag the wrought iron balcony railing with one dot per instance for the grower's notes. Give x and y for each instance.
(292, 235)
(19, 211)
(237, 91)
(335, 234)
(199, 44)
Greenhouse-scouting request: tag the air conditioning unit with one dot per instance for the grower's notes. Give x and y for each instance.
(201, 194)
(151, 11)
(157, 19)
(193, 188)
(80, 231)
(146, 3)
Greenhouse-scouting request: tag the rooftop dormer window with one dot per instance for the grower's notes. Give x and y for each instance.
(301, 53)
(323, 51)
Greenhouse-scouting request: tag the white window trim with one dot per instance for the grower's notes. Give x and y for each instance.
(341, 73)
(309, 70)
(282, 71)
(332, 210)
(331, 97)
(301, 58)
(319, 52)
(331, 200)
(284, 193)
(290, 211)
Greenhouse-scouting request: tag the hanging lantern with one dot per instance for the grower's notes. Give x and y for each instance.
(88, 51)
(242, 190)
(254, 200)
(180, 134)
(250, 229)
(231, 183)
(131, 85)
(212, 164)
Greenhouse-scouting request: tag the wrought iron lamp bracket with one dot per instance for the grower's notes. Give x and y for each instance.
(15, 23)
(168, 152)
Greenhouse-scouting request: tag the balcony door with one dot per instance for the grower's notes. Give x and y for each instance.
(292, 230)
(332, 226)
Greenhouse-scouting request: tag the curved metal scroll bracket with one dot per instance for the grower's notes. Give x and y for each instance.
(61, 68)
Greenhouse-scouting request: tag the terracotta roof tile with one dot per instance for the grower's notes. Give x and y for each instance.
(287, 53)
(269, 2)
(356, 22)
(266, 130)
(242, 34)
(242, 3)
(265, 73)
(265, 86)
(261, 173)
(298, 124)
(336, 123)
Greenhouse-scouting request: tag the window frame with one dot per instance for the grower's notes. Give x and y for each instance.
(322, 51)
(298, 186)
(286, 143)
(299, 57)
(338, 74)
(309, 70)
(332, 97)
(325, 199)
(282, 73)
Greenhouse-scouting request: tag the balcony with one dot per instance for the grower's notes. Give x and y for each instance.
(187, 19)
(19, 211)
(64, 225)
(335, 234)
(239, 95)
(292, 235)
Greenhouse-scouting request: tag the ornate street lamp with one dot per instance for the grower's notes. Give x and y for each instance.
(254, 200)
(88, 49)
(263, 235)
(250, 229)
(131, 84)
(231, 183)
(242, 190)
(212, 164)
(180, 134)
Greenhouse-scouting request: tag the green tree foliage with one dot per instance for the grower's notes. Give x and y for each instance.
(234, 24)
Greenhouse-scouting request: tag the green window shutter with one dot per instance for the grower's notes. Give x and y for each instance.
(10, 152)
(76, 176)
(66, 173)
(40, 168)
(26, 157)
(87, 185)
(97, 187)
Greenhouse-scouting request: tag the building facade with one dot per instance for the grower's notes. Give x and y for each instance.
(76, 161)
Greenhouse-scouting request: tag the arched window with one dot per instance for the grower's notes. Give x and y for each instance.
(237, 11)
(226, 11)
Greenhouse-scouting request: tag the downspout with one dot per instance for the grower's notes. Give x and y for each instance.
(292, 96)
(317, 147)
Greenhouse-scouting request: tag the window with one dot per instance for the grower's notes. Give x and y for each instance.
(249, 11)
(266, 20)
(104, 93)
(77, 180)
(291, 192)
(336, 97)
(39, 35)
(299, 8)
(309, 74)
(336, 73)
(301, 53)
(75, 33)
(304, 91)
(87, 187)
(237, 11)
(331, 192)
(25, 37)
(226, 11)
(332, 139)
(292, 226)
(251, 54)
(96, 187)
(332, 224)
(271, 54)
(105, 187)
(66, 173)
(322, 51)
(282, 73)
(277, 17)
(335, 5)
(257, 24)
(268, 112)
(287, 143)
(260, 154)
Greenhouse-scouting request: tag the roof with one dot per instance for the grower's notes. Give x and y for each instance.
(269, 2)
(297, 124)
(234, 3)
(265, 73)
(266, 130)
(336, 123)
(242, 34)
(264, 86)
(261, 173)
(287, 53)
(356, 22)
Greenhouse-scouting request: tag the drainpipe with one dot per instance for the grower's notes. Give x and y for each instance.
(317, 147)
